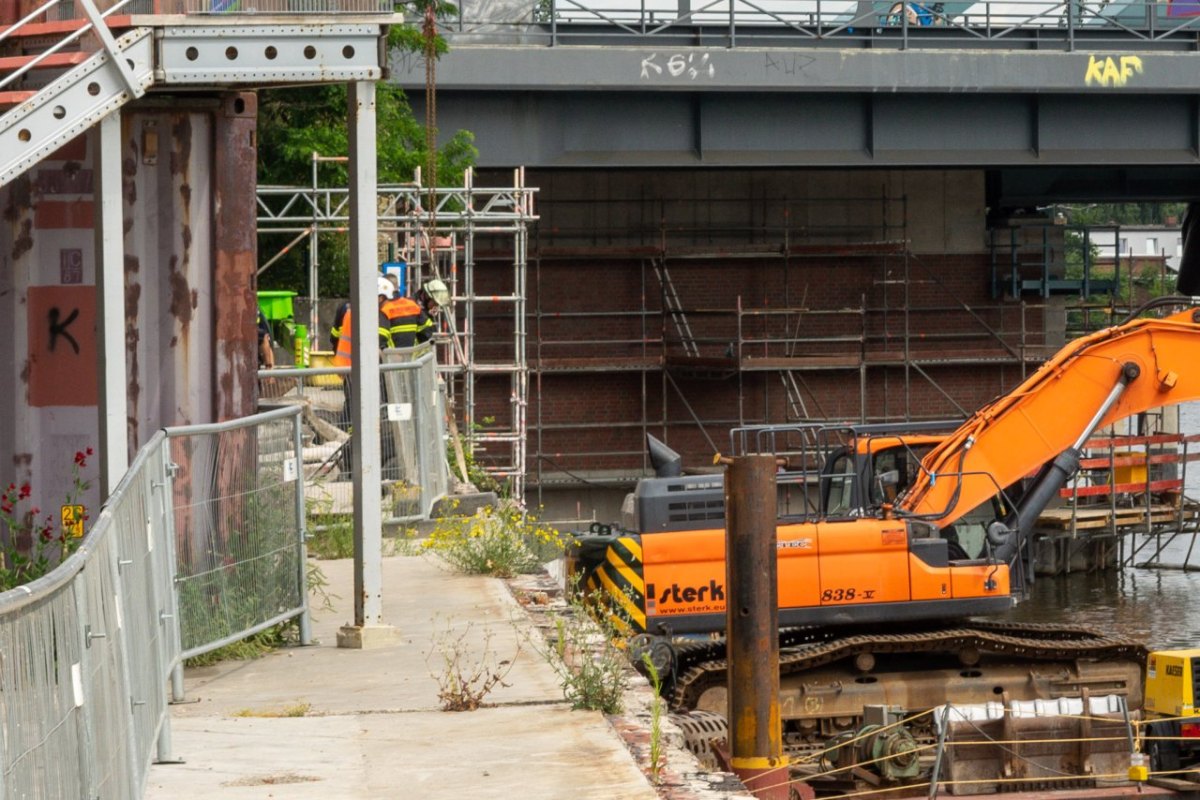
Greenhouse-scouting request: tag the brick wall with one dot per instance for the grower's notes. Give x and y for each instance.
(821, 280)
(606, 313)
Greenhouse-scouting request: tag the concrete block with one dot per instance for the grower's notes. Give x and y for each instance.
(367, 637)
(463, 505)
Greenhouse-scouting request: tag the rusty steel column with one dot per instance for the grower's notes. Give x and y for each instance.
(752, 612)
(235, 247)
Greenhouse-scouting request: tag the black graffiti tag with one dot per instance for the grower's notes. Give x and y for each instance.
(60, 329)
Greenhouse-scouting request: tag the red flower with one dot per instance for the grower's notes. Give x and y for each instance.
(89, 451)
(6, 507)
(80, 458)
(35, 511)
(24, 491)
(46, 534)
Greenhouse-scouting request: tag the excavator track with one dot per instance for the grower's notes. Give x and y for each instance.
(701, 665)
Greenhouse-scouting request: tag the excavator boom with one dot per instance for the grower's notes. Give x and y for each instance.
(1053, 409)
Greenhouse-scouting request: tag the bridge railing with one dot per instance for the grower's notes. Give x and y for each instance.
(86, 651)
(1022, 24)
(56, 10)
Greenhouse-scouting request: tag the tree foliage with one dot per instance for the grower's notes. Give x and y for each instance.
(1124, 213)
(294, 123)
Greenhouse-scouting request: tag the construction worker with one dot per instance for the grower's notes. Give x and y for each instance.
(405, 321)
(266, 347)
(431, 297)
(343, 354)
(335, 332)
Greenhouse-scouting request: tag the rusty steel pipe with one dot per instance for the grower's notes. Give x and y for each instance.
(752, 616)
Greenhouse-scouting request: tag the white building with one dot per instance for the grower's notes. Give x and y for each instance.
(1164, 241)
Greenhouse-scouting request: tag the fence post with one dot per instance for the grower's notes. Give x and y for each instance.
(161, 587)
(84, 724)
(301, 531)
(116, 640)
(178, 695)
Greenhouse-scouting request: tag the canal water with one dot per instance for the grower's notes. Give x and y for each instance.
(1158, 606)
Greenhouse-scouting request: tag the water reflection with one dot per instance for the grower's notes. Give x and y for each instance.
(1158, 606)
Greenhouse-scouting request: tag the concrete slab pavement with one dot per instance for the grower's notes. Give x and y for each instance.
(372, 727)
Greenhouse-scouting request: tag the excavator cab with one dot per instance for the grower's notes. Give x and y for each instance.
(868, 466)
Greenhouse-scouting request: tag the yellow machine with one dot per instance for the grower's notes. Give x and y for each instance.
(1171, 690)
(1171, 683)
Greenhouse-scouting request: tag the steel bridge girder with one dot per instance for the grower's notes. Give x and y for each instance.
(269, 54)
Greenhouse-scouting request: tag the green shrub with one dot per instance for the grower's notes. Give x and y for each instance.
(503, 541)
(589, 657)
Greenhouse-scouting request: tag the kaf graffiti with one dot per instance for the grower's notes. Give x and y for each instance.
(1112, 73)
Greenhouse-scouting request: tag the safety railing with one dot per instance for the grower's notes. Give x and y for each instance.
(1126, 483)
(86, 650)
(260, 7)
(55, 10)
(728, 23)
(239, 528)
(414, 474)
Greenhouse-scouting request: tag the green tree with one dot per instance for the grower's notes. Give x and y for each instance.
(294, 123)
(1123, 213)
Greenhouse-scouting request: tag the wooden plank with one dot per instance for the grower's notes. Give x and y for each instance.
(1059, 519)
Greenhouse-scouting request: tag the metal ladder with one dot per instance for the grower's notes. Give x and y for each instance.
(675, 308)
(796, 406)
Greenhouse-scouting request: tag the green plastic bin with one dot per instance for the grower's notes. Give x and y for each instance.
(276, 305)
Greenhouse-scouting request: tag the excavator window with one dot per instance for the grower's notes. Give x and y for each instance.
(904, 461)
(838, 484)
(970, 530)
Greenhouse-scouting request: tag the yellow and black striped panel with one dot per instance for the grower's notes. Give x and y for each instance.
(620, 579)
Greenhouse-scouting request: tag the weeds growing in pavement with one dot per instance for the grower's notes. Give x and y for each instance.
(250, 648)
(294, 710)
(587, 653)
(464, 677)
(656, 713)
(502, 541)
(329, 535)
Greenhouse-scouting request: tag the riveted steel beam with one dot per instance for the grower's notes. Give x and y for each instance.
(268, 54)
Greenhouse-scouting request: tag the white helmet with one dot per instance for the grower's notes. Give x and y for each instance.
(385, 287)
(438, 291)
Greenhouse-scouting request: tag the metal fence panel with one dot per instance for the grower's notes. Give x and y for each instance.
(145, 611)
(111, 727)
(238, 535)
(78, 712)
(42, 722)
(414, 416)
(414, 472)
(85, 651)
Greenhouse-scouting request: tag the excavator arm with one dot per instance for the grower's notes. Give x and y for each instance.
(1092, 382)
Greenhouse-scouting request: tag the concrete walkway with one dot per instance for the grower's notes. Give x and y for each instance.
(371, 725)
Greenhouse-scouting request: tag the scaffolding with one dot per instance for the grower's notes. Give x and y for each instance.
(434, 231)
(783, 337)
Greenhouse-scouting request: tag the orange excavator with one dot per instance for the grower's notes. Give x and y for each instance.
(889, 539)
